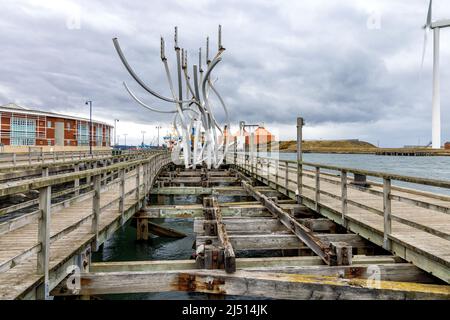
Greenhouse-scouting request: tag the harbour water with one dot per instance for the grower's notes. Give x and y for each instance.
(423, 167)
(122, 246)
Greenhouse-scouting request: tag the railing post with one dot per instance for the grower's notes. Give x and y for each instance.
(276, 173)
(387, 223)
(76, 183)
(268, 172)
(29, 157)
(122, 194)
(235, 151)
(14, 159)
(299, 159)
(44, 238)
(138, 182)
(145, 179)
(344, 197)
(317, 189)
(96, 208)
(286, 177)
(252, 153)
(54, 156)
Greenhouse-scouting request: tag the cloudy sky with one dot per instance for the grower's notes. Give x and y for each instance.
(350, 68)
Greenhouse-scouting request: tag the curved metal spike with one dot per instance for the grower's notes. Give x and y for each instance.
(143, 104)
(135, 76)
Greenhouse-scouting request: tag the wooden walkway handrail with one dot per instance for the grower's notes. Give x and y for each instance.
(71, 161)
(385, 175)
(23, 186)
(287, 172)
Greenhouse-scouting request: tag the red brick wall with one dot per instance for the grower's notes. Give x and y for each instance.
(70, 134)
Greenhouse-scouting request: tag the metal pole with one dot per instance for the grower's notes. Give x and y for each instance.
(299, 159)
(436, 108)
(158, 127)
(125, 135)
(89, 102)
(115, 131)
(143, 133)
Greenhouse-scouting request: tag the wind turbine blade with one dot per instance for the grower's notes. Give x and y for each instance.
(425, 39)
(429, 13)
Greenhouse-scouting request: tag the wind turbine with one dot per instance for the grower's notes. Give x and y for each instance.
(436, 102)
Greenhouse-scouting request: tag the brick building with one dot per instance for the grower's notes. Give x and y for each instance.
(262, 136)
(20, 126)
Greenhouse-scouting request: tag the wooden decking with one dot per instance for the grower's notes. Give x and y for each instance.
(271, 247)
(70, 234)
(420, 227)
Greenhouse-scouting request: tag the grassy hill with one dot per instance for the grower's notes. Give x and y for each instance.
(353, 146)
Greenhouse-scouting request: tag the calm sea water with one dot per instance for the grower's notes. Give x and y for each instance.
(423, 167)
(122, 246)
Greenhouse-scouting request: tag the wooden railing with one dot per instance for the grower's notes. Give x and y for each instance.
(278, 173)
(147, 168)
(76, 166)
(48, 157)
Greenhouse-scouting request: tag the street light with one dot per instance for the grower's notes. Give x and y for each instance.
(143, 133)
(158, 127)
(125, 135)
(115, 131)
(89, 102)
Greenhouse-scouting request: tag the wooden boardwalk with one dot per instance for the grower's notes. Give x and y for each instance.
(271, 247)
(412, 224)
(71, 228)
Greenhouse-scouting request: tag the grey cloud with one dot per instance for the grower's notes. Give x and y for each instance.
(283, 59)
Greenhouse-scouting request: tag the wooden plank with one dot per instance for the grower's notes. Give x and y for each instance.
(303, 233)
(229, 256)
(241, 263)
(253, 284)
(257, 241)
(44, 238)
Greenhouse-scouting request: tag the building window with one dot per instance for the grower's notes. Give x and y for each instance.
(49, 142)
(68, 125)
(23, 132)
(106, 136)
(83, 134)
(99, 135)
(49, 124)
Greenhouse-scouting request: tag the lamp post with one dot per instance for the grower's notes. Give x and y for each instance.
(125, 135)
(143, 133)
(158, 127)
(115, 131)
(89, 102)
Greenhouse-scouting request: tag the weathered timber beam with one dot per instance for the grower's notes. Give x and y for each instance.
(212, 212)
(253, 284)
(244, 209)
(258, 241)
(304, 234)
(319, 224)
(277, 241)
(222, 234)
(222, 191)
(387, 270)
(241, 263)
(180, 180)
(243, 225)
